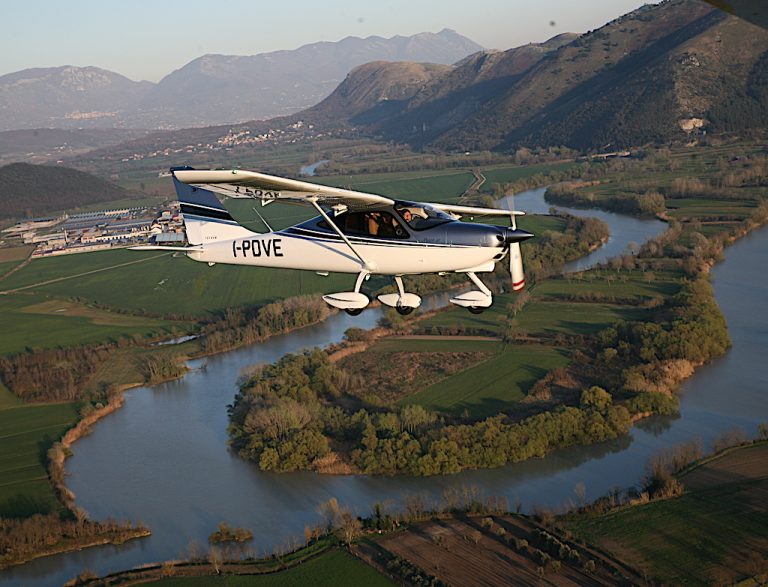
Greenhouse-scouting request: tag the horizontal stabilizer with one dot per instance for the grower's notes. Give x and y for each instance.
(165, 248)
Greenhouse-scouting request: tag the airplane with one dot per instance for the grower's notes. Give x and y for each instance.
(355, 232)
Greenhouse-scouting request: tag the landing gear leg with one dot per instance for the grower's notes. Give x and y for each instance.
(358, 284)
(404, 303)
(352, 302)
(476, 300)
(402, 310)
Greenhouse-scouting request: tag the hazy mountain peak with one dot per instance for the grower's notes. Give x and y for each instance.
(211, 89)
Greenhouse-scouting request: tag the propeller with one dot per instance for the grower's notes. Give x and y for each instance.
(516, 267)
(515, 256)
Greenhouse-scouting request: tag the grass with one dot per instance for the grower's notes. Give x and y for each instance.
(573, 318)
(165, 284)
(332, 569)
(628, 285)
(491, 386)
(504, 174)
(537, 317)
(6, 266)
(432, 188)
(431, 345)
(700, 208)
(15, 253)
(26, 433)
(35, 321)
(687, 540)
(7, 398)
(489, 322)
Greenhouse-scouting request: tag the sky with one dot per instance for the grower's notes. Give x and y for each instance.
(146, 40)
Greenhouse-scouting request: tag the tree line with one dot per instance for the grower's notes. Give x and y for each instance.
(53, 374)
(24, 539)
(286, 417)
(246, 325)
(649, 203)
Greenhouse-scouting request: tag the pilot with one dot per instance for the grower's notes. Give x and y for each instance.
(407, 216)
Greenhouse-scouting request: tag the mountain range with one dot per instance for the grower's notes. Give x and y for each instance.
(660, 73)
(666, 72)
(213, 89)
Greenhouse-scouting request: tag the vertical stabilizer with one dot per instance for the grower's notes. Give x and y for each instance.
(205, 218)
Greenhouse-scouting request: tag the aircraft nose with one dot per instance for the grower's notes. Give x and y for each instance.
(516, 235)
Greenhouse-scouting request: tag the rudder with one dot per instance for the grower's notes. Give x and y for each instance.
(205, 218)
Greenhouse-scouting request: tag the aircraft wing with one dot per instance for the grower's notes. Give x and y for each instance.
(238, 183)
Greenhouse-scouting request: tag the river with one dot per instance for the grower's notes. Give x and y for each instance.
(163, 459)
(311, 169)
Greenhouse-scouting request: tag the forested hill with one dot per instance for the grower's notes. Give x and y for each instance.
(33, 190)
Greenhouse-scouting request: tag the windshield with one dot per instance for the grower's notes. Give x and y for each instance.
(421, 216)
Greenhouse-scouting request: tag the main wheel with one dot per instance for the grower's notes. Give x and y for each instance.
(354, 311)
(476, 310)
(404, 310)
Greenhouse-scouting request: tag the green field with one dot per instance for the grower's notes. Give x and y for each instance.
(504, 174)
(625, 285)
(7, 399)
(6, 266)
(573, 318)
(538, 317)
(434, 188)
(693, 208)
(491, 322)
(164, 283)
(332, 569)
(35, 321)
(26, 433)
(695, 538)
(493, 385)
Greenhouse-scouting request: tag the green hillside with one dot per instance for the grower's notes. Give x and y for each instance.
(33, 190)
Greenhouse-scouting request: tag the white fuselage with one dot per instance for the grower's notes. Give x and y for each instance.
(276, 249)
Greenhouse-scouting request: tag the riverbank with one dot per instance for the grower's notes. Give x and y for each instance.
(39, 536)
(216, 563)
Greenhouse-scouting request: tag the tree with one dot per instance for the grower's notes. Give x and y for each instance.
(581, 493)
(351, 526)
(331, 513)
(595, 398)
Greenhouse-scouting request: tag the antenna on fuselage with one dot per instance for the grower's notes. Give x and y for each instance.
(269, 228)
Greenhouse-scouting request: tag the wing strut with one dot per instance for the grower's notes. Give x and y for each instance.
(367, 266)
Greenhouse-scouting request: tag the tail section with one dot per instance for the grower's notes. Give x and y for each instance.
(205, 218)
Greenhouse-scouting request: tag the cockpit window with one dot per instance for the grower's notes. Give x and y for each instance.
(421, 217)
(374, 223)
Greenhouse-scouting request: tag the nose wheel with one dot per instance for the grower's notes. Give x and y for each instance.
(477, 300)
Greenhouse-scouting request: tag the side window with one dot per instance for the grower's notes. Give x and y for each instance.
(374, 223)
(384, 224)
